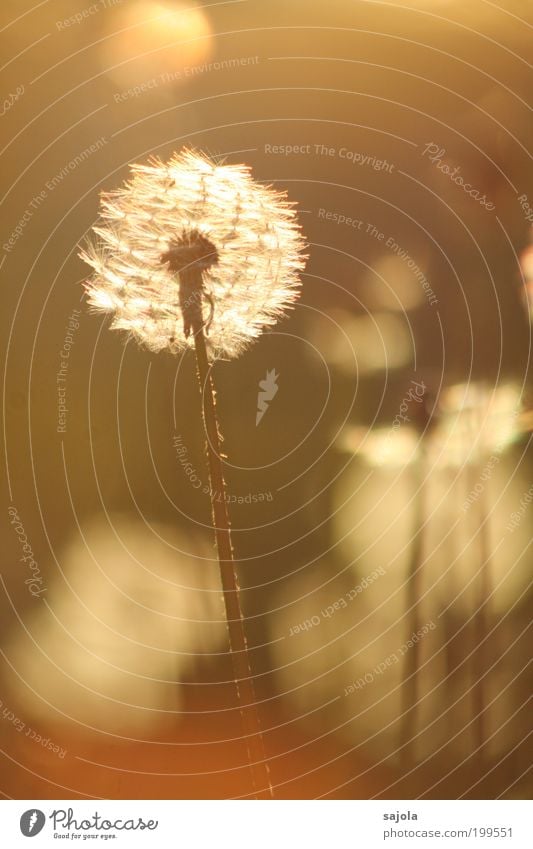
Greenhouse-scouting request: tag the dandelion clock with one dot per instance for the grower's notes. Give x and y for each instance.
(188, 243)
(191, 254)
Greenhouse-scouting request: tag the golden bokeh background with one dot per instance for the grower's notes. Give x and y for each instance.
(118, 658)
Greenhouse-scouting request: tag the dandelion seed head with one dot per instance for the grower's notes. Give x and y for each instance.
(191, 213)
(477, 419)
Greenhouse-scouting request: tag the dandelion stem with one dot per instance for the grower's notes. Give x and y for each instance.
(481, 629)
(230, 585)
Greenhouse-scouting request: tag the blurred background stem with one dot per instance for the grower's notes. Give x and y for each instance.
(481, 626)
(413, 594)
(230, 585)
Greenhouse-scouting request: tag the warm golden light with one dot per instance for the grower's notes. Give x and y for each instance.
(251, 255)
(390, 284)
(475, 419)
(123, 623)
